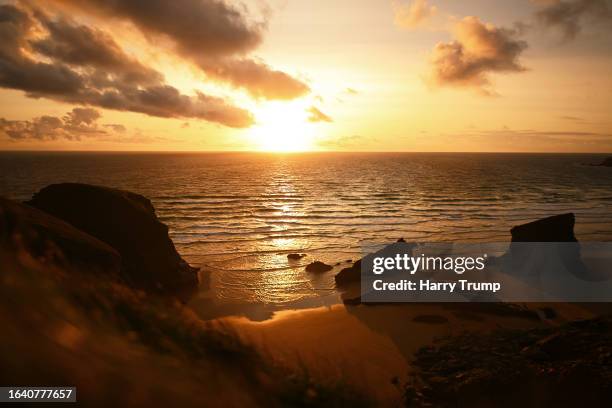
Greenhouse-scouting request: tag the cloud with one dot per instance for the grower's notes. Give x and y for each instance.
(197, 27)
(214, 35)
(61, 60)
(570, 16)
(351, 91)
(572, 118)
(257, 78)
(79, 45)
(343, 141)
(315, 115)
(117, 128)
(478, 50)
(75, 125)
(412, 15)
(546, 135)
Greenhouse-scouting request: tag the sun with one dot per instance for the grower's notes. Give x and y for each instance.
(283, 127)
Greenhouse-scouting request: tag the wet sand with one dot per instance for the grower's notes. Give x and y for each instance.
(371, 347)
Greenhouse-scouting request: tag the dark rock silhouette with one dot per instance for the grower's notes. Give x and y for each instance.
(352, 275)
(558, 228)
(127, 222)
(349, 276)
(530, 261)
(318, 267)
(295, 257)
(24, 229)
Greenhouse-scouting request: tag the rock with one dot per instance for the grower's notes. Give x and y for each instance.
(349, 276)
(352, 275)
(607, 162)
(558, 228)
(127, 222)
(295, 257)
(532, 261)
(570, 361)
(318, 267)
(26, 230)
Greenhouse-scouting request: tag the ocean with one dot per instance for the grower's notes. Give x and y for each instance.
(239, 214)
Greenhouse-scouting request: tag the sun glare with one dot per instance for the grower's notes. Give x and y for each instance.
(283, 127)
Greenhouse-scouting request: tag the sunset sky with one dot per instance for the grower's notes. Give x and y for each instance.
(293, 75)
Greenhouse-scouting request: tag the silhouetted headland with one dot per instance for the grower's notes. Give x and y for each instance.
(127, 222)
(76, 306)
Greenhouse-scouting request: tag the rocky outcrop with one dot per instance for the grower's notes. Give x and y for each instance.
(352, 275)
(295, 257)
(127, 222)
(568, 365)
(29, 232)
(349, 276)
(558, 228)
(318, 267)
(532, 261)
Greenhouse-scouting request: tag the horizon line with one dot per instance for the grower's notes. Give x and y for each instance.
(292, 152)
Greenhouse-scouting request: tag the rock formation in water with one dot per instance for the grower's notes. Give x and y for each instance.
(352, 275)
(295, 257)
(558, 228)
(318, 267)
(562, 251)
(349, 276)
(30, 232)
(127, 222)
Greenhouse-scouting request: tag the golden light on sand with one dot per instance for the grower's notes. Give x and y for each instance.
(283, 127)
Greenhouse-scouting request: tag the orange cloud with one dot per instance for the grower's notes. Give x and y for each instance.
(478, 50)
(315, 115)
(256, 77)
(76, 124)
(413, 15)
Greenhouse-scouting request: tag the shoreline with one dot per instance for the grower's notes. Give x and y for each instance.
(92, 284)
(371, 348)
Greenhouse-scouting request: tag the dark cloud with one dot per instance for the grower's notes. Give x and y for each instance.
(79, 45)
(75, 125)
(212, 34)
(197, 27)
(315, 115)
(478, 50)
(64, 61)
(570, 16)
